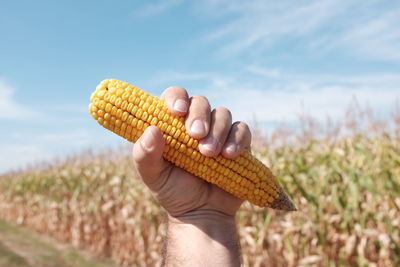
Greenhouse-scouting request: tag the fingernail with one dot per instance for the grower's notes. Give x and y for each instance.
(231, 148)
(147, 141)
(198, 127)
(181, 105)
(210, 144)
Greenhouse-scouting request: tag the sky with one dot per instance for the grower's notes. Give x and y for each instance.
(270, 59)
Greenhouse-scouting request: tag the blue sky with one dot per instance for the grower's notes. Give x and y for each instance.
(269, 58)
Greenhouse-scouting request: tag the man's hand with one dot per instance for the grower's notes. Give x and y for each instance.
(176, 190)
(189, 200)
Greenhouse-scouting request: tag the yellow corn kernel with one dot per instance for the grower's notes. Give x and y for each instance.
(108, 107)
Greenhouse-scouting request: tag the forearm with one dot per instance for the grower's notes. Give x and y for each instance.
(202, 238)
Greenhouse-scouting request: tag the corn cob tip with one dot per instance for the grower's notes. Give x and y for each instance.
(283, 202)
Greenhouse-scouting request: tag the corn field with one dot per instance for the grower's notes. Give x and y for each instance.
(345, 183)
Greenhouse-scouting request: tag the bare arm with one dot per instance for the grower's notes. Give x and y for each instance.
(207, 239)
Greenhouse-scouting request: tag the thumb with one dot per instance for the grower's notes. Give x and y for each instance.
(147, 156)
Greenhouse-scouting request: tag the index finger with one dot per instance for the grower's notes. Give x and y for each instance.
(177, 100)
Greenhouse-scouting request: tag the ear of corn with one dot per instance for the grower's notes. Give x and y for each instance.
(128, 111)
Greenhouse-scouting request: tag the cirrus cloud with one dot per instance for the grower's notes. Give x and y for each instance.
(10, 109)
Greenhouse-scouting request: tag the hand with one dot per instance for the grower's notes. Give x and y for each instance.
(179, 192)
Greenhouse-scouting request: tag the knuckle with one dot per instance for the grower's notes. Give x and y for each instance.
(200, 98)
(223, 110)
(242, 126)
(175, 88)
(200, 102)
(172, 90)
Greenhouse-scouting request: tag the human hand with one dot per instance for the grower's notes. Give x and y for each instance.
(178, 191)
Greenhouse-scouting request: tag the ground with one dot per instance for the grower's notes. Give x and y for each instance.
(20, 247)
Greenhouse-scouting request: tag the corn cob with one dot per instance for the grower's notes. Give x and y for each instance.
(128, 111)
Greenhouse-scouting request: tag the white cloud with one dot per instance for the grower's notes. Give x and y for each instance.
(157, 8)
(14, 156)
(265, 72)
(10, 109)
(276, 96)
(365, 27)
(285, 104)
(379, 37)
(19, 151)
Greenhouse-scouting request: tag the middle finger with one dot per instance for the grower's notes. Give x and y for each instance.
(221, 121)
(198, 117)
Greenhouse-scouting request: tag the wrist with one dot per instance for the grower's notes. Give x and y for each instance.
(191, 237)
(203, 217)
